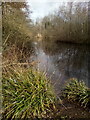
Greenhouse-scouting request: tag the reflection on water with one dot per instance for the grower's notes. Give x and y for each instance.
(62, 61)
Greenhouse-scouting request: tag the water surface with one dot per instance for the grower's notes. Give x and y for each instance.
(62, 61)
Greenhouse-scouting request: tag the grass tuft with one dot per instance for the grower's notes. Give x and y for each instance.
(26, 94)
(77, 91)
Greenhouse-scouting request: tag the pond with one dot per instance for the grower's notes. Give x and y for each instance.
(62, 61)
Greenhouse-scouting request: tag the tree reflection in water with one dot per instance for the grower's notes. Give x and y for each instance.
(62, 61)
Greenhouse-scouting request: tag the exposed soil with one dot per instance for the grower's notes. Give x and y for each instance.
(72, 111)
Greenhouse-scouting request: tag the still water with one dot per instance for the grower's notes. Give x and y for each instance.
(61, 62)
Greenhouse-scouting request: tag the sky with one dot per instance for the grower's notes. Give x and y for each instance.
(41, 8)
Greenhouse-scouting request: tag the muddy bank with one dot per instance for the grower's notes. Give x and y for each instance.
(71, 111)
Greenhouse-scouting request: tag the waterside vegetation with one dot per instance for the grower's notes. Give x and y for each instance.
(27, 93)
(77, 91)
(69, 23)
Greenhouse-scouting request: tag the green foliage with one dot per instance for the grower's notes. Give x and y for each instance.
(77, 91)
(26, 94)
